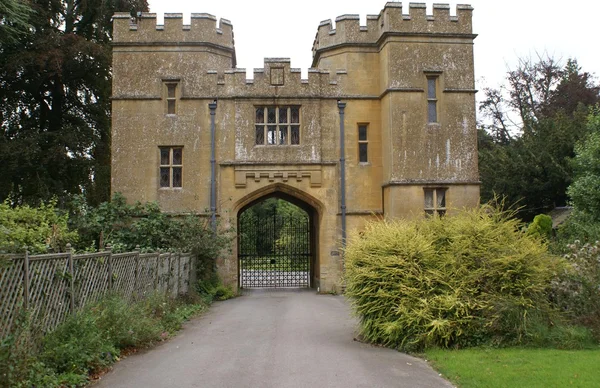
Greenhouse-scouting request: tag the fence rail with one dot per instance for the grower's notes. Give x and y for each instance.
(51, 286)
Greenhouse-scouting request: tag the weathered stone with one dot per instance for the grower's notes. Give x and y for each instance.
(380, 71)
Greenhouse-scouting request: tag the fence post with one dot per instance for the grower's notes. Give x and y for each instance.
(26, 279)
(72, 280)
(137, 269)
(178, 272)
(110, 269)
(170, 276)
(157, 271)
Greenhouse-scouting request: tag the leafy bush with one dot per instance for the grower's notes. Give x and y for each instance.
(577, 291)
(541, 226)
(212, 289)
(78, 346)
(88, 341)
(469, 279)
(126, 324)
(39, 229)
(585, 188)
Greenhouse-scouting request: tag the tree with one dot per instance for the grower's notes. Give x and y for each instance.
(585, 189)
(14, 16)
(533, 123)
(55, 86)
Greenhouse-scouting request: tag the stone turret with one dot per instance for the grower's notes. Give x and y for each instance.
(144, 30)
(391, 20)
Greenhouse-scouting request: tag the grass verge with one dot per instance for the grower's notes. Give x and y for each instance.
(517, 367)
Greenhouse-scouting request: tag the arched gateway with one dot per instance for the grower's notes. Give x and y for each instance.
(278, 250)
(384, 126)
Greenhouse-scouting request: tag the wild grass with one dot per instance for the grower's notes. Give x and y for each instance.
(89, 341)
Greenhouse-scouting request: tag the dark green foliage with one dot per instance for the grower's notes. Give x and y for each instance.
(88, 341)
(470, 279)
(14, 20)
(211, 289)
(78, 346)
(533, 124)
(279, 209)
(585, 189)
(55, 87)
(541, 226)
(577, 290)
(126, 226)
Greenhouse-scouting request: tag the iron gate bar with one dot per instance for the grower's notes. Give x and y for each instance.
(274, 251)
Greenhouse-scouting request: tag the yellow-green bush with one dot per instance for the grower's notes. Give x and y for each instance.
(469, 279)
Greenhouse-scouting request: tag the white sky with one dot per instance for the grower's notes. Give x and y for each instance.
(507, 29)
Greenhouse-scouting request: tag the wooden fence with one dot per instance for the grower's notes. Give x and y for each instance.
(51, 286)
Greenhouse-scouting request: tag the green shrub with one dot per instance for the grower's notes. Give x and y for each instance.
(579, 226)
(212, 288)
(468, 279)
(126, 324)
(88, 341)
(78, 346)
(38, 228)
(577, 290)
(541, 226)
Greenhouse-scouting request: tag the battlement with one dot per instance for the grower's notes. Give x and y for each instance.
(143, 30)
(277, 78)
(392, 20)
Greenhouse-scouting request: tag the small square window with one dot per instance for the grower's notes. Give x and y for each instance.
(435, 201)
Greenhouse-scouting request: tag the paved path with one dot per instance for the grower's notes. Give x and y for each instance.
(265, 339)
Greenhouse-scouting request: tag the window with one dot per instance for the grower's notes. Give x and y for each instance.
(363, 143)
(432, 116)
(435, 201)
(277, 125)
(171, 167)
(171, 98)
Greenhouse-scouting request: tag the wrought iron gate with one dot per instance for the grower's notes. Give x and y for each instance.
(274, 251)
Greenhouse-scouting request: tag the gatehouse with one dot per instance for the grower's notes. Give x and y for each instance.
(382, 127)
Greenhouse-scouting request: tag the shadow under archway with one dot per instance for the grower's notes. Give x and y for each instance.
(277, 250)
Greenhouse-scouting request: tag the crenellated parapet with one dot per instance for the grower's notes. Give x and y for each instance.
(144, 30)
(277, 79)
(393, 21)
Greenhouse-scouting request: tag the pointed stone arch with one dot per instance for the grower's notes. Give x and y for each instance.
(312, 206)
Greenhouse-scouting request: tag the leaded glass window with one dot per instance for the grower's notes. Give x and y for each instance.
(281, 127)
(432, 116)
(363, 143)
(171, 167)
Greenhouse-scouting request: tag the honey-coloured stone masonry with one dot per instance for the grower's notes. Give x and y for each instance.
(407, 82)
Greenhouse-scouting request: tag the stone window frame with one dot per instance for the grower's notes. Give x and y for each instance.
(363, 143)
(171, 93)
(171, 165)
(432, 99)
(435, 200)
(432, 96)
(268, 132)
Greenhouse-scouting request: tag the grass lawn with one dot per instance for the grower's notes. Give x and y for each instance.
(518, 367)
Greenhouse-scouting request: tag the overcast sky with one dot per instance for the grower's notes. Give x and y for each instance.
(507, 29)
